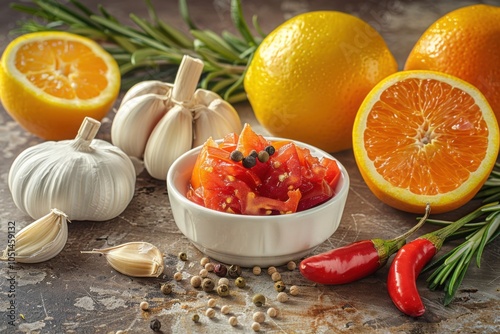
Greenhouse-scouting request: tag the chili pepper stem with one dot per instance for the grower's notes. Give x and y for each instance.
(386, 248)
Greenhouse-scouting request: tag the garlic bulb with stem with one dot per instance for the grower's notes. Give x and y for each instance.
(136, 259)
(87, 178)
(39, 241)
(159, 121)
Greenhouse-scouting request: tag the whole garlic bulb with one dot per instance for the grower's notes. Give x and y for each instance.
(159, 121)
(86, 178)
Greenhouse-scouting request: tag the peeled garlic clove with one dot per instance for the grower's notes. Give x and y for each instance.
(136, 259)
(171, 137)
(39, 241)
(147, 87)
(135, 121)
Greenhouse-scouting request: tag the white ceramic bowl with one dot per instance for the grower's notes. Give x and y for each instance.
(253, 240)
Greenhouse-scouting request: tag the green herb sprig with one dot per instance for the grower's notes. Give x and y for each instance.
(153, 49)
(482, 227)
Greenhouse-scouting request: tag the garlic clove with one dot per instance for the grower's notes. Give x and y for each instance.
(136, 259)
(171, 137)
(135, 120)
(39, 241)
(216, 119)
(147, 87)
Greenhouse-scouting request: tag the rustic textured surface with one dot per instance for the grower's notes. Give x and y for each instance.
(79, 293)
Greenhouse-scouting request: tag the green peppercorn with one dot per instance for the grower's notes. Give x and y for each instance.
(207, 284)
(270, 149)
(166, 288)
(182, 256)
(249, 162)
(236, 156)
(259, 300)
(234, 271)
(279, 286)
(195, 317)
(155, 325)
(240, 282)
(223, 290)
(263, 156)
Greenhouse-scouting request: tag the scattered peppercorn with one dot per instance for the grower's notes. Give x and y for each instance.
(256, 270)
(249, 162)
(225, 309)
(270, 149)
(224, 281)
(220, 270)
(166, 288)
(234, 271)
(276, 276)
(233, 321)
(155, 325)
(259, 300)
(196, 281)
(195, 317)
(256, 327)
(294, 290)
(178, 276)
(223, 290)
(272, 312)
(259, 316)
(236, 156)
(182, 256)
(240, 282)
(204, 261)
(210, 312)
(271, 270)
(207, 284)
(263, 156)
(291, 265)
(279, 286)
(144, 306)
(282, 297)
(212, 302)
(209, 266)
(203, 273)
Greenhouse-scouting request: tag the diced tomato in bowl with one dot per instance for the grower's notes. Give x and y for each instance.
(288, 180)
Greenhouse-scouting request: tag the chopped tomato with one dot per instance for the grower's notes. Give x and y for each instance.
(290, 180)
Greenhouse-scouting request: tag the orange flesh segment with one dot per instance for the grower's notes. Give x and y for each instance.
(416, 126)
(64, 69)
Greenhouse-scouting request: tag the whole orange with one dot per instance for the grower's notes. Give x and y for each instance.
(464, 43)
(309, 76)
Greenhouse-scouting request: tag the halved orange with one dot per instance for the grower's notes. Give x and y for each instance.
(50, 81)
(425, 137)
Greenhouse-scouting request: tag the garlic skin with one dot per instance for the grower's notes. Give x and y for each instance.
(159, 122)
(87, 178)
(135, 259)
(39, 241)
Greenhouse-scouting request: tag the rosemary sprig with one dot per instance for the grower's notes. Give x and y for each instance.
(482, 227)
(153, 49)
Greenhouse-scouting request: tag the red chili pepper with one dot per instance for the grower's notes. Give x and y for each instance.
(354, 261)
(409, 262)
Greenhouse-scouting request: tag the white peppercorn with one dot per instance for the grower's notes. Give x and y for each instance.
(259, 316)
(212, 302)
(223, 280)
(272, 312)
(225, 309)
(144, 306)
(209, 266)
(204, 261)
(256, 270)
(256, 327)
(271, 270)
(233, 321)
(291, 265)
(282, 297)
(196, 281)
(294, 290)
(178, 276)
(276, 276)
(210, 312)
(203, 273)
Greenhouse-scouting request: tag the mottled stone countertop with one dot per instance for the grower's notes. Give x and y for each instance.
(78, 293)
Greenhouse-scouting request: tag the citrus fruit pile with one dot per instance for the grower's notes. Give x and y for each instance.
(50, 81)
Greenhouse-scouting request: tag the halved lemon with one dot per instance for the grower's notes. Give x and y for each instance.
(425, 137)
(50, 81)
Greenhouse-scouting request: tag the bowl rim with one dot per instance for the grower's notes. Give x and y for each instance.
(337, 197)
